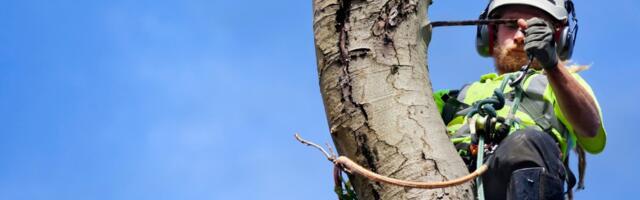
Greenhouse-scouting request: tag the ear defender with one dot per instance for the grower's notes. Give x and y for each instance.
(483, 36)
(563, 44)
(483, 41)
(567, 37)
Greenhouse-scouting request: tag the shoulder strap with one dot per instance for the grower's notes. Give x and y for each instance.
(570, 178)
(535, 106)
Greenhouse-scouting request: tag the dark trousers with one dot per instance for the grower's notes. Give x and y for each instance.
(522, 150)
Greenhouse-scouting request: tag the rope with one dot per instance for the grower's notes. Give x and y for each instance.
(352, 167)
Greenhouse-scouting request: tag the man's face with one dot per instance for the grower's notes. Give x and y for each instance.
(508, 53)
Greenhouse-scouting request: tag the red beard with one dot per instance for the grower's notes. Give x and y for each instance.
(511, 59)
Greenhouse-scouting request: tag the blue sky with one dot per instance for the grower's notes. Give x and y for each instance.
(200, 99)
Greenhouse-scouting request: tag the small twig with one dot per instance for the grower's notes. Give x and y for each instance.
(303, 141)
(333, 153)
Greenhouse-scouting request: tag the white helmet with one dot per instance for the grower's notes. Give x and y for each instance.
(555, 8)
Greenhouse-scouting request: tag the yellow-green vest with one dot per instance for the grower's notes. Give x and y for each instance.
(538, 109)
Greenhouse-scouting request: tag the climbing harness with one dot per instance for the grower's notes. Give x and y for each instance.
(487, 109)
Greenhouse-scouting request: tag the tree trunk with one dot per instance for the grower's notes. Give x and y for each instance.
(378, 98)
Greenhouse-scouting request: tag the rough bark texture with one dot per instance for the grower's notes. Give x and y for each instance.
(378, 98)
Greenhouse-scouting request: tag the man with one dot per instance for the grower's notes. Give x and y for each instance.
(558, 111)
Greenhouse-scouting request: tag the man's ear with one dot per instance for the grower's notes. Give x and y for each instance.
(557, 32)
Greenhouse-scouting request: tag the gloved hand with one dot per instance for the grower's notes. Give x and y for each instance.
(539, 42)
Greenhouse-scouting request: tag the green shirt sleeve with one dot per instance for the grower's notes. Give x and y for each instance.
(593, 145)
(437, 97)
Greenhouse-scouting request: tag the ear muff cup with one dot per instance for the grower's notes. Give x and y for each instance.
(565, 42)
(482, 41)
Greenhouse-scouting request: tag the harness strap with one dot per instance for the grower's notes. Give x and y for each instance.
(582, 166)
(570, 179)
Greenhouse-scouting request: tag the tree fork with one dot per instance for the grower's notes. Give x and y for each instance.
(378, 98)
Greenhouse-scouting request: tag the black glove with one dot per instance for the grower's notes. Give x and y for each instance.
(539, 42)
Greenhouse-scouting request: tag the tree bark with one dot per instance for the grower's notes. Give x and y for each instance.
(378, 98)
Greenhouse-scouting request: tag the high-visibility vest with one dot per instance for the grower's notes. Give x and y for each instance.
(538, 109)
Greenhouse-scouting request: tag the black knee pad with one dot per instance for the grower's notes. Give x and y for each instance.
(534, 184)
